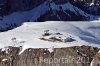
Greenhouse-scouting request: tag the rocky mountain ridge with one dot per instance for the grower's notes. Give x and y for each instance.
(8, 6)
(13, 12)
(69, 56)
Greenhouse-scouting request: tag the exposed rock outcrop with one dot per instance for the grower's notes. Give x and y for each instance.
(9, 56)
(9, 6)
(70, 56)
(96, 60)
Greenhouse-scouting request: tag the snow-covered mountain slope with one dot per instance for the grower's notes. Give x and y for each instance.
(29, 35)
(62, 12)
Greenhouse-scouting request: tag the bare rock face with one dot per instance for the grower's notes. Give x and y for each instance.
(70, 56)
(76, 56)
(9, 56)
(96, 60)
(49, 16)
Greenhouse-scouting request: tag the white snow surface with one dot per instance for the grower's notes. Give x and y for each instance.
(29, 33)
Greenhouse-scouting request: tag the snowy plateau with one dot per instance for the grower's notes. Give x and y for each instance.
(34, 42)
(29, 35)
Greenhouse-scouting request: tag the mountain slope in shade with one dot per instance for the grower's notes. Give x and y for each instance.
(28, 35)
(46, 11)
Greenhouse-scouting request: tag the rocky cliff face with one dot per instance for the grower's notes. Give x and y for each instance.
(96, 60)
(9, 6)
(71, 56)
(61, 15)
